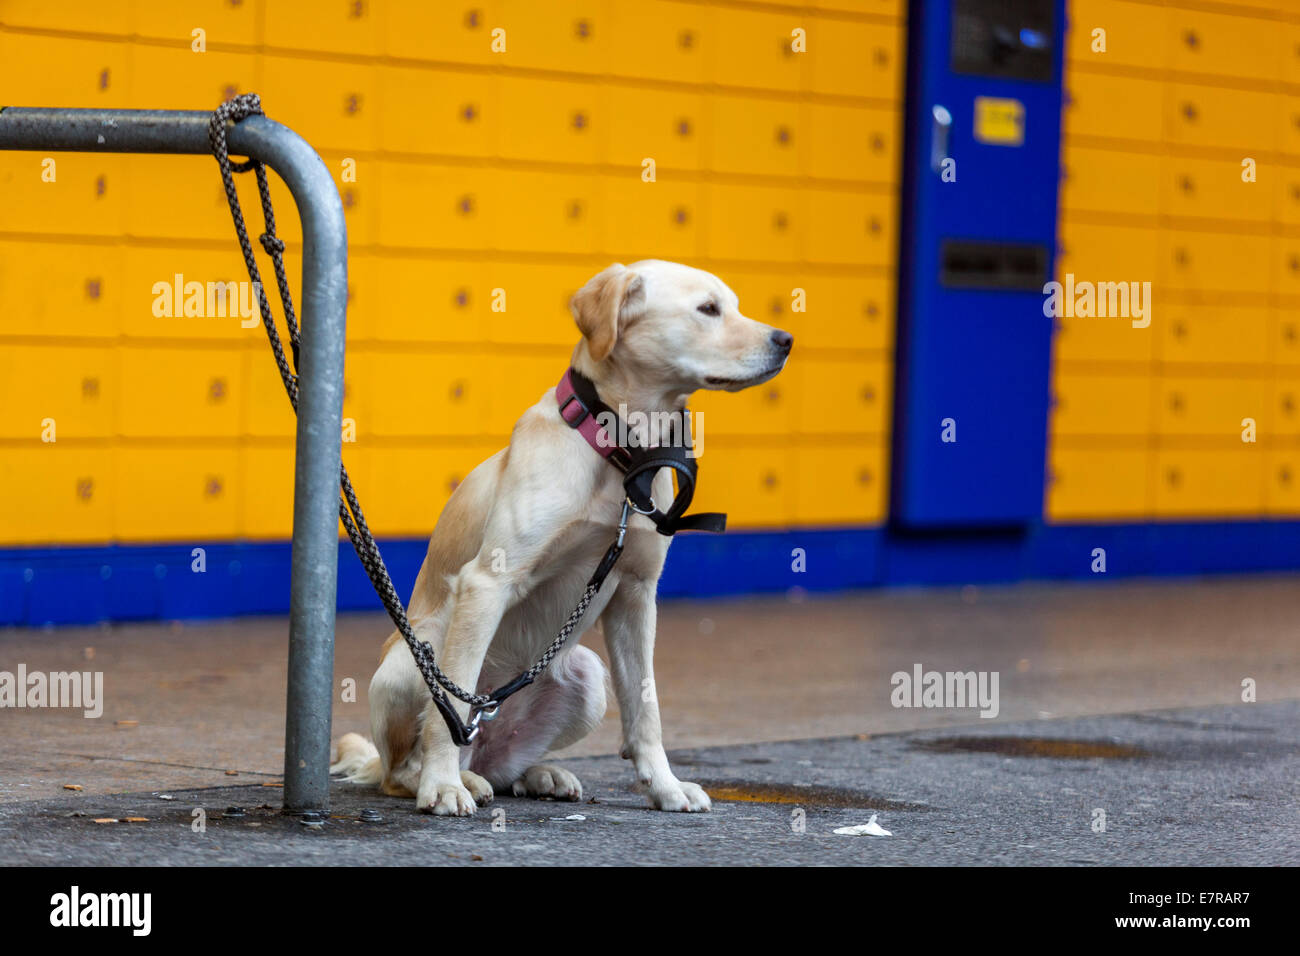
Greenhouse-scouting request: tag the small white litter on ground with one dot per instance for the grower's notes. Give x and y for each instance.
(577, 817)
(870, 828)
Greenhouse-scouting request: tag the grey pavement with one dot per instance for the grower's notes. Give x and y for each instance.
(1190, 786)
(201, 704)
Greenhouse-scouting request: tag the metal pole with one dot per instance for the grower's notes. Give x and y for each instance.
(320, 397)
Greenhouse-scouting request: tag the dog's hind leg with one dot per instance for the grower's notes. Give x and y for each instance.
(561, 708)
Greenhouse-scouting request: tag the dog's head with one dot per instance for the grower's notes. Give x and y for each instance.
(679, 326)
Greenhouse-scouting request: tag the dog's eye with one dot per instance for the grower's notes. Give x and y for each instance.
(709, 308)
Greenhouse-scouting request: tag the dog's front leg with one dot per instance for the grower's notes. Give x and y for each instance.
(629, 624)
(480, 598)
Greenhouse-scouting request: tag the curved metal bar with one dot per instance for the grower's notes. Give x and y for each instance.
(320, 405)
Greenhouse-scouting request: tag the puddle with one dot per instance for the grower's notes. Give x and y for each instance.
(736, 792)
(1055, 748)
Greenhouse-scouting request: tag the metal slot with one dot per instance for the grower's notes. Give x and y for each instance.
(975, 264)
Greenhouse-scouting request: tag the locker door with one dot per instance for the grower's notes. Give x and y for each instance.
(979, 200)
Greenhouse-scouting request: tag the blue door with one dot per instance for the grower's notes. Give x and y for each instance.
(978, 242)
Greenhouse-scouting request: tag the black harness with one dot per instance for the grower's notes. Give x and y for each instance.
(640, 465)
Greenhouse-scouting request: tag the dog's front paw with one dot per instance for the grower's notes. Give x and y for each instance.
(680, 796)
(478, 788)
(445, 800)
(548, 780)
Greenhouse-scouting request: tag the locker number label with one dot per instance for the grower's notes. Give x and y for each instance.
(999, 122)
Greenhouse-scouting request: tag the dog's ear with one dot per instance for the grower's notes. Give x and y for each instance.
(602, 304)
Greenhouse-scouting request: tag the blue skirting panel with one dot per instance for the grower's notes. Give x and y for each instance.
(47, 586)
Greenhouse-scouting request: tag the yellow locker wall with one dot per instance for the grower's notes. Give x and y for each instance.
(475, 171)
(1147, 423)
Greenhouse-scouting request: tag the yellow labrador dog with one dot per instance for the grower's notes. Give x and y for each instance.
(517, 541)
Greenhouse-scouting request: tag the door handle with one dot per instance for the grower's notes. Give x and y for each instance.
(940, 127)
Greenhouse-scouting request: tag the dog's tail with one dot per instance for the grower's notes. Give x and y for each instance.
(358, 760)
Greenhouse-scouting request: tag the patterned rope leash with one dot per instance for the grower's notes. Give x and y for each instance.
(482, 706)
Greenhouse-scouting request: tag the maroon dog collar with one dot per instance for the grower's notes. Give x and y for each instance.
(583, 411)
(579, 416)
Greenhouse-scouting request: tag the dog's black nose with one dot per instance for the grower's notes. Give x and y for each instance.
(782, 339)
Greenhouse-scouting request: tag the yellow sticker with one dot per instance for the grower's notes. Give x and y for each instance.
(999, 122)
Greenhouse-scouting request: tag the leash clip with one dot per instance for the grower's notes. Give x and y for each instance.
(462, 733)
(647, 511)
(478, 715)
(472, 726)
(622, 522)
